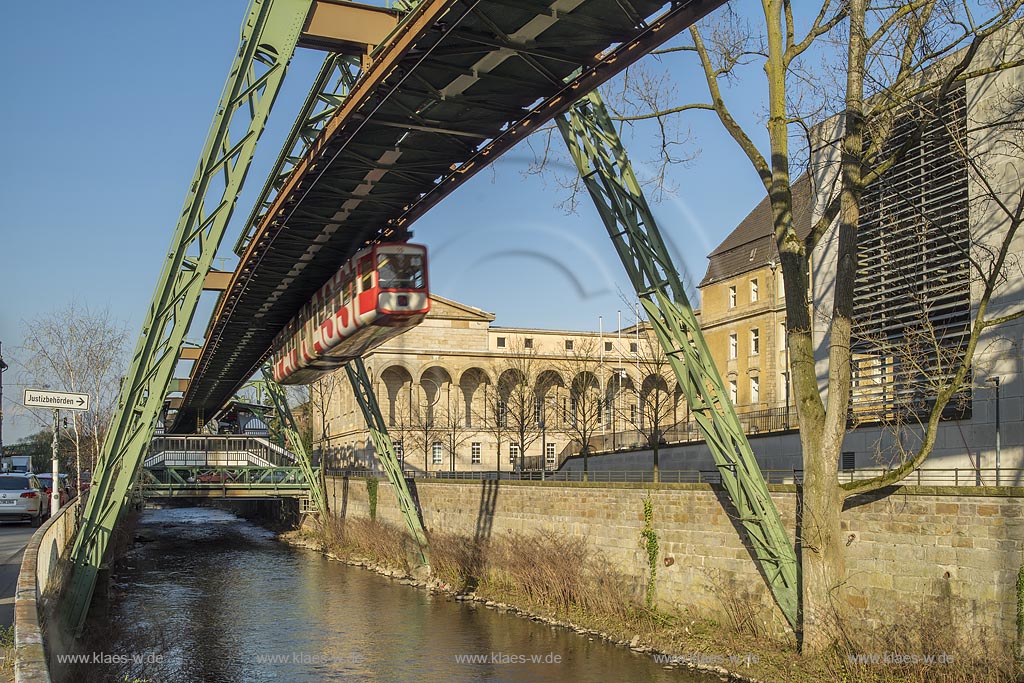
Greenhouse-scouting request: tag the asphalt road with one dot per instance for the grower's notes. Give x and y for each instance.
(13, 538)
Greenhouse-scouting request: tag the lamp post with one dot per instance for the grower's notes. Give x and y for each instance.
(995, 381)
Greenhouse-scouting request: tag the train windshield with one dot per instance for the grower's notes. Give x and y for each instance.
(400, 271)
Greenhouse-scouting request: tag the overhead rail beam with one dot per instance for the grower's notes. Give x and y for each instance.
(456, 84)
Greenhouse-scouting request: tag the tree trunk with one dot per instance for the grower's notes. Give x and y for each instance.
(821, 548)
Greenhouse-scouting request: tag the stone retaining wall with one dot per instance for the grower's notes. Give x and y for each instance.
(922, 552)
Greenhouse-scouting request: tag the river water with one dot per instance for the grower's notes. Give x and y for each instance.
(214, 598)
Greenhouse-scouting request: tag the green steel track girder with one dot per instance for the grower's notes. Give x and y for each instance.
(385, 447)
(332, 85)
(268, 40)
(608, 175)
(293, 441)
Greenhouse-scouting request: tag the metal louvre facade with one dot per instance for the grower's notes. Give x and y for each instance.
(912, 299)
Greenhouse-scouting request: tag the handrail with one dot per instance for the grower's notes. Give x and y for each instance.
(952, 476)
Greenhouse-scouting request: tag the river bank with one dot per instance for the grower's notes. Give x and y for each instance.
(738, 651)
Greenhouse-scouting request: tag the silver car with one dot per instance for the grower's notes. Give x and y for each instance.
(22, 497)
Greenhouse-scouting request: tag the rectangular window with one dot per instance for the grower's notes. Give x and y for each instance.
(502, 414)
(513, 453)
(783, 339)
(528, 343)
(436, 451)
(632, 347)
(755, 390)
(475, 453)
(755, 341)
(607, 346)
(732, 391)
(365, 274)
(549, 453)
(400, 271)
(568, 344)
(732, 296)
(537, 415)
(849, 460)
(734, 346)
(501, 342)
(634, 413)
(753, 290)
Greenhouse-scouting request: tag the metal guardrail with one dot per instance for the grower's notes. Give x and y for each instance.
(180, 481)
(954, 476)
(200, 450)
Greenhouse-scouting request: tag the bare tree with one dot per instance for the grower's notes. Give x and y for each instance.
(897, 64)
(496, 421)
(654, 400)
(517, 377)
(79, 350)
(581, 416)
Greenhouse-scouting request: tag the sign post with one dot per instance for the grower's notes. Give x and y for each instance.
(55, 486)
(40, 398)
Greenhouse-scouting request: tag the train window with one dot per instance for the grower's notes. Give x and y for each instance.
(365, 274)
(400, 271)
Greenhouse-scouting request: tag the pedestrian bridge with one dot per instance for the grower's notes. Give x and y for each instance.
(222, 466)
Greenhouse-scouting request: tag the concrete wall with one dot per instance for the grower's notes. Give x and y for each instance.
(919, 552)
(40, 577)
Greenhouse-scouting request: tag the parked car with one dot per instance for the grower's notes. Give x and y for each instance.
(22, 499)
(66, 493)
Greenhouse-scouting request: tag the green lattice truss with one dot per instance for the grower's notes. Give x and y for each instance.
(602, 162)
(362, 387)
(292, 441)
(268, 40)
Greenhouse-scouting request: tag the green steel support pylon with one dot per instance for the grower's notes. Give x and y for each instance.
(602, 162)
(268, 41)
(293, 441)
(385, 447)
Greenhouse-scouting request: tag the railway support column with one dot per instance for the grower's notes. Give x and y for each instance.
(385, 447)
(293, 441)
(268, 40)
(606, 171)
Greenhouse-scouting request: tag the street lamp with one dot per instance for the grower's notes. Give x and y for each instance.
(995, 381)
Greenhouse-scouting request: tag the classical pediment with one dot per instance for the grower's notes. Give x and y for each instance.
(446, 309)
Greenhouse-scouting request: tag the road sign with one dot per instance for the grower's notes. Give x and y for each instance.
(63, 400)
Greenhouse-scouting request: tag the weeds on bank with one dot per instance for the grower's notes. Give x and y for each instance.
(7, 651)
(561, 577)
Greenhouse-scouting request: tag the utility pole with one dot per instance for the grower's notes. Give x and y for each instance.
(3, 367)
(55, 485)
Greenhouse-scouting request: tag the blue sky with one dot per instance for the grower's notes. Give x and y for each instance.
(104, 112)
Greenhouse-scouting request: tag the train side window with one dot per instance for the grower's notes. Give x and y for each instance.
(365, 273)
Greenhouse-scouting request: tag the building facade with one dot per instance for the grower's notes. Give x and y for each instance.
(461, 394)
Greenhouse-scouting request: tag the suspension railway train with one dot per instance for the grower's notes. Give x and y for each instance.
(375, 296)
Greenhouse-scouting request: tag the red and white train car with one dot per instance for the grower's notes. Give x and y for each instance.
(378, 294)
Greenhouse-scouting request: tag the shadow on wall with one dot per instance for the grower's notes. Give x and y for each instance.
(485, 513)
(730, 606)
